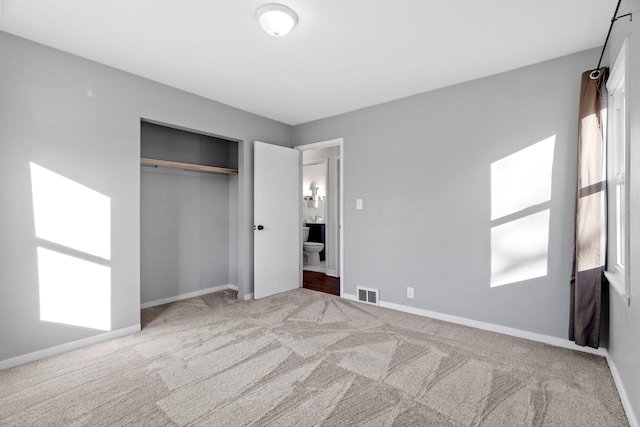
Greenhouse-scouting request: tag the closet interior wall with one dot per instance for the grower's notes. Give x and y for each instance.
(188, 219)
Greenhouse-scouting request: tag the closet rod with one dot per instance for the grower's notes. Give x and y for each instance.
(190, 166)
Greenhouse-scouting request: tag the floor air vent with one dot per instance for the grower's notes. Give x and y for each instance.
(368, 295)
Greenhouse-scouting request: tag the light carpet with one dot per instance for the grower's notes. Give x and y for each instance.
(304, 358)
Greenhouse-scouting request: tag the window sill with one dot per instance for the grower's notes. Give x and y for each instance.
(617, 282)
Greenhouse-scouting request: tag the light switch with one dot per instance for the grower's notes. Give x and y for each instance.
(358, 204)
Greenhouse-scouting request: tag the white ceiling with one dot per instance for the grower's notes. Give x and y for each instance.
(343, 55)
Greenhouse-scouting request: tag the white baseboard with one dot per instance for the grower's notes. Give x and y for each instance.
(248, 297)
(62, 348)
(624, 397)
(546, 339)
(188, 295)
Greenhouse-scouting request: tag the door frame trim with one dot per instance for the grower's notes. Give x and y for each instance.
(324, 144)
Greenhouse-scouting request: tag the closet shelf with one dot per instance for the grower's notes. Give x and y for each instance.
(190, 166)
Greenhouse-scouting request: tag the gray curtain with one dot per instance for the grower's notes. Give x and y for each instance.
(590, 231)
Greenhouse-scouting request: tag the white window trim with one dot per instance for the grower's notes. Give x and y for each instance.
(617, 275)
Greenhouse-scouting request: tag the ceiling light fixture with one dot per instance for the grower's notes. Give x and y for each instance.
(277, 20)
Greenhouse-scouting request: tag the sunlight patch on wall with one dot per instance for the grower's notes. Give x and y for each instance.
(70, 214)
(74, 291)
(519, 249)
(73, 230)
(520, 214)
(522, 179)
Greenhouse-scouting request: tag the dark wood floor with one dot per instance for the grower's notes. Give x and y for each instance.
(321, 282)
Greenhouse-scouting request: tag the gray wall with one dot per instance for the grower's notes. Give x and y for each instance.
(422, 165)
(234, 222)
(624, 334)
(81, 119)
(184, 232)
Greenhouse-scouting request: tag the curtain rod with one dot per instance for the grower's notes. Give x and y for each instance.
(596, 73)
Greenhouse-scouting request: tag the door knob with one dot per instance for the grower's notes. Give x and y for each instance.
(260, 227)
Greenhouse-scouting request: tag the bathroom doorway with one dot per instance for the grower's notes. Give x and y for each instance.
(321, 216)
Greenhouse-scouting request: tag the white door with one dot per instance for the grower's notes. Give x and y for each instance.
(276, 215)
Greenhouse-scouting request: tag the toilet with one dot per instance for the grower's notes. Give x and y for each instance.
(310, 250)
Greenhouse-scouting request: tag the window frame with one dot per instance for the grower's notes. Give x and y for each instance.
(617, 164)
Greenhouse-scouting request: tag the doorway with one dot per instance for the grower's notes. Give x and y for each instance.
(321, 216)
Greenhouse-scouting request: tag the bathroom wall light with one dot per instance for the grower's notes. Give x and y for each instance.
(313, 201)
(276, 19)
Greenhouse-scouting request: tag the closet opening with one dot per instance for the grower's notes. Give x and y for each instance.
(189, 228)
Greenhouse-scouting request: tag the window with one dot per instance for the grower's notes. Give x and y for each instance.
(617, 165)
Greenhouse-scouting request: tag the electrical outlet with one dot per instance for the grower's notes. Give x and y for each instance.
(409, 293)
(359, 204)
